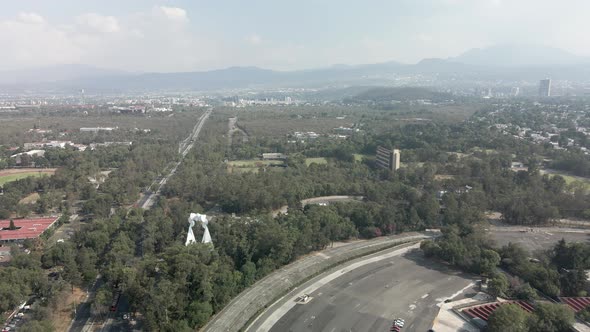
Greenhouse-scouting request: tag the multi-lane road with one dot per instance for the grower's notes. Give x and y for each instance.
(369, 297)
(408, 286)
(147, 200)
(84, 321)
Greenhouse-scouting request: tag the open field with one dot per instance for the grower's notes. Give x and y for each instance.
(318, 160)
(359, 157)
(21, 173)
(254, 165)
(568, 178)
(441, 177)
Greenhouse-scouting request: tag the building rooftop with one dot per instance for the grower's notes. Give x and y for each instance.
(576, 303)
(26, 228)
(484, 311)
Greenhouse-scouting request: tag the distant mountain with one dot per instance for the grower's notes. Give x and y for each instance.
(519, 56)
(508, 65)
(54, 74)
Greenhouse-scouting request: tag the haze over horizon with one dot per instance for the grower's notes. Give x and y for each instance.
(182, 35)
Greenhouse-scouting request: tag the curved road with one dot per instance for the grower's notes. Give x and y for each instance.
(400, 283)
(250, 302)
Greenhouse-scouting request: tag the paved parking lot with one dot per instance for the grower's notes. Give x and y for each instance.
(370, 297)
(540, 238)
(250, 302)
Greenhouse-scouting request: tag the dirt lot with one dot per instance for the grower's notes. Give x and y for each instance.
(62, 316)
(32, 198)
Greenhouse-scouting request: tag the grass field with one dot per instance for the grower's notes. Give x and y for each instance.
(359, 157)
(318, 160)
(569, 178)
(247, 166)
(17, 174)
(254, 163)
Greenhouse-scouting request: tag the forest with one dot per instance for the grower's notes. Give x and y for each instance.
(452, 174)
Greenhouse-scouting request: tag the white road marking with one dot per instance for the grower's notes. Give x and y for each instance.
(441, 300)
(282, 310)
(425, 296)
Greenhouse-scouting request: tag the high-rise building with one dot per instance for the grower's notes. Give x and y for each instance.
(387, 158)
(545, 88)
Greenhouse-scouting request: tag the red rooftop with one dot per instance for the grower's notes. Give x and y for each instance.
(26, 228)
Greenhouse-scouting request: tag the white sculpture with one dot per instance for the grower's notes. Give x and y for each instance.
(190, 237)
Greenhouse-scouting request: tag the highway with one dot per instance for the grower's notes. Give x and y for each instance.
(146, 201)
(84, 321)
(368, 298)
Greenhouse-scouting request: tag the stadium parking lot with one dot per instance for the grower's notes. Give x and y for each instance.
(371, 297)
(538, 238)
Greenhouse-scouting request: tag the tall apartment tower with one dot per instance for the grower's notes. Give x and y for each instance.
(545, 88)
(386, 158)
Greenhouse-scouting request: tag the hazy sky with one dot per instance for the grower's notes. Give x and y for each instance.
(169, 35)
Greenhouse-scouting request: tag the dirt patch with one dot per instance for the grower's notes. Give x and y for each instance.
(30, 199)
(443, 177)
(62, 316)
(11, 171)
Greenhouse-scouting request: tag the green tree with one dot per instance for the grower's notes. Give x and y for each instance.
(551, 317)
(23, 210)
(585, 314)
(508, 317)
(248, 274)
(573, 282)
(198, 314)
(497, 285)
(489, 260)
(525, 292)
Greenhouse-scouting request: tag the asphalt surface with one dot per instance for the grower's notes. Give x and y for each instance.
(147, 200)
(84, 321)
(539, 238)
(250, 302)
(370, 297)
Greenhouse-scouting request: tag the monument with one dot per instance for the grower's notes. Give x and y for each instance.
(190, 237)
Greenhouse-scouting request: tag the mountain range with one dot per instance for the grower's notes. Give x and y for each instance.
(508, 63)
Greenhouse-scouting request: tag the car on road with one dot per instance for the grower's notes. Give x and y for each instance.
(399, 322)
